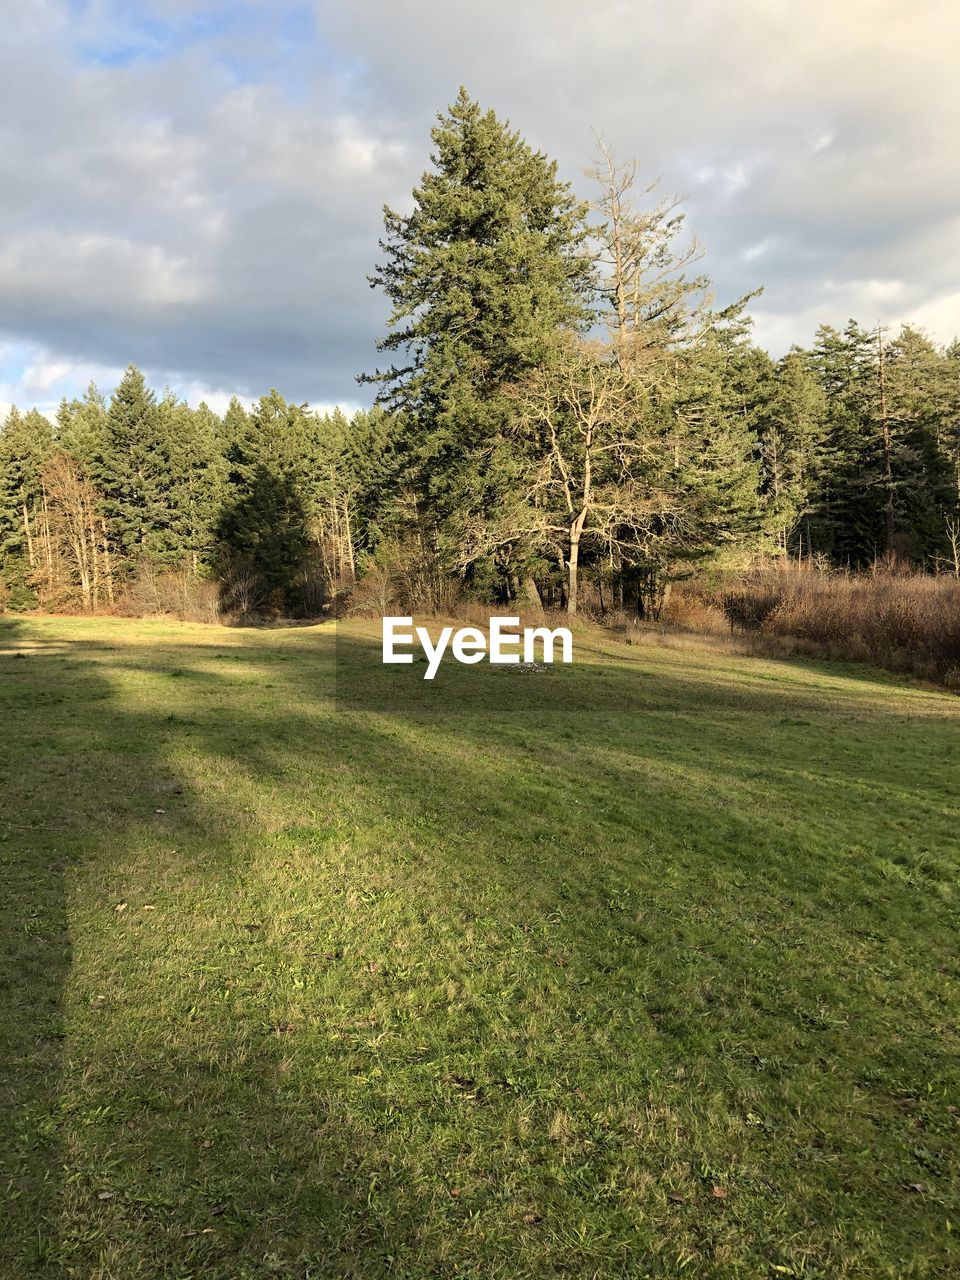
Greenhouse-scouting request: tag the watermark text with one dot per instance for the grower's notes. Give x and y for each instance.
(503, 643)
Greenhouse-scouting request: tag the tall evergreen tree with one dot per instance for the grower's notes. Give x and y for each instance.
(482, 276)
(235, 425)
(791, 429)
(81, 424)
(848, 521)
(132, 469)
(264, 524)
(921, 470)
(948, 423)
(26, 441)
(197, 466)
(711, 436)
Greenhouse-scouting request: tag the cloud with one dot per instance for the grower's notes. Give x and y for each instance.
(197, 185)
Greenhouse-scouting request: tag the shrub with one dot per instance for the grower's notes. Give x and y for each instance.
(687, 610)
(749, 610)
(176, 593)
(904, 622)
(404, 577)
(242, 591)
(21, 599)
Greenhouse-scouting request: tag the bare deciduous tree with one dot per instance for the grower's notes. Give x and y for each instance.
(651, 302)
(76, 559)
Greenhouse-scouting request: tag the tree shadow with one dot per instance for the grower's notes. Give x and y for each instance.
(35, 948)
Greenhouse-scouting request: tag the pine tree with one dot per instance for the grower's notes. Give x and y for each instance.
(26, 442)
(264, 524)
(196, 472)
(848, 519)
(948, 427)
(81, 424)
(712, 435)
(235, 425)
(792, 427)
(921, 466)
(132, 469)
(482, 275)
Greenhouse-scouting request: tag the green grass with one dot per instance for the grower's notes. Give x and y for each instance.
(641, 967)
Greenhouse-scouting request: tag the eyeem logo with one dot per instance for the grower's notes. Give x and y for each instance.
(470, 645)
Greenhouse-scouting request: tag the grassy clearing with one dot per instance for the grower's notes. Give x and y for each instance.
(642, 967)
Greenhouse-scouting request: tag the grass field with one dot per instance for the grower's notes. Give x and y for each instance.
(646, 966)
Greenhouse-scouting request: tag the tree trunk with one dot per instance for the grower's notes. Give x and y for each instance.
(531, 592)
(107, 562)
(887, 444)
(79, 549)
(572, 562)
(27, 530)
(351, 562)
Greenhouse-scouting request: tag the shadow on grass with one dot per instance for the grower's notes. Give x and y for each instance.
(35, 957)
(546, 940)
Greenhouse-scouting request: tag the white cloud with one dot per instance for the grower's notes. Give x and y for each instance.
(40, 376)
(759, 250)
(939, 316)
(217, 226)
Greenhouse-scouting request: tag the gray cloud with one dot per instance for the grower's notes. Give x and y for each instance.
(211, 209)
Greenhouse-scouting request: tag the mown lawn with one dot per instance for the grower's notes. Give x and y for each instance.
(641, 967)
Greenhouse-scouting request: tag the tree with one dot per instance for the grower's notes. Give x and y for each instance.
(78, 561)
(25, 443)
(197, 472)
(482, 276)
(637, 451)
(921, 470)
(948, 418)
(847, 513)
(885, 467)
(793, 415)
(708, 418)
(263, 526)
(81, 424)
(132, 469)
(335, 485)
(580, 413)
(648, 302)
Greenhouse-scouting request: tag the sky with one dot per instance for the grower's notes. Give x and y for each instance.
(196, 186)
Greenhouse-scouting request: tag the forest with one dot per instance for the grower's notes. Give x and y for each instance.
(565, 417)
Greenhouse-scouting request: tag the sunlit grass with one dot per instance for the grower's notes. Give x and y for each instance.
(643, 966)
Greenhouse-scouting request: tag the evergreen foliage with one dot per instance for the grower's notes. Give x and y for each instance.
(482, 276)
(264, 523)
(563, 404)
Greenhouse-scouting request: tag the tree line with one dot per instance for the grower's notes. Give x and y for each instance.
(563, 408)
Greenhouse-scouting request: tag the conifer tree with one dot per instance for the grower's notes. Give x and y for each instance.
(920, 464)
(948, 427)
(81, 423)
(235, 425)
(711, 436)
(792, 424)
(196, 470)
(26, 442)
(264, 524)
(132, 469)
(482, 276)
(847, 522)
